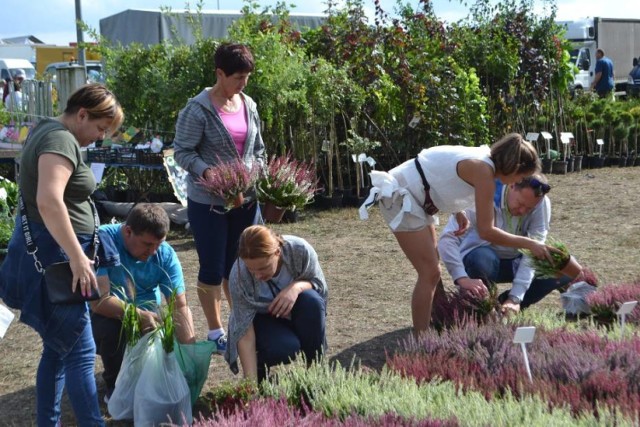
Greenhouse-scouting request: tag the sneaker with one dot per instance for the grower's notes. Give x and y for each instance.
(221, 343)
(107, 395)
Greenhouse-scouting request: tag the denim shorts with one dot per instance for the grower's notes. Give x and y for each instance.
(216, 235)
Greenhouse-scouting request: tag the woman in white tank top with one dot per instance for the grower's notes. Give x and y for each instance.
(457, 177)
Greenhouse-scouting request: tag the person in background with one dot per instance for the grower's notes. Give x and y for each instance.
(13, 96)
(449, 179)
(279, 302)
(148, 268)
(603, 82)
(220, 124)
(474, 264)
(55, 185)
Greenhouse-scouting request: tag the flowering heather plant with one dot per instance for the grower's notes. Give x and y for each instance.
(452, 308)
(566, 367)
(229, 180)
(287, 183)
(605, 302)
(272, 412)
(544, 267)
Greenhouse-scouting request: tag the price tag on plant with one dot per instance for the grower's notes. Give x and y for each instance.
(414, 122)
(325, 145)
(532, 136)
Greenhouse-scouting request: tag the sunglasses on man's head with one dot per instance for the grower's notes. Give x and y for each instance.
(539, 188)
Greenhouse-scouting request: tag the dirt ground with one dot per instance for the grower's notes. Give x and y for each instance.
(594, 213)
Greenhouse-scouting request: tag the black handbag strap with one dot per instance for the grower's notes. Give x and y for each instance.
(32, 248)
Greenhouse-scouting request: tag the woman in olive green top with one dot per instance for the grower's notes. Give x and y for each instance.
(56, 184)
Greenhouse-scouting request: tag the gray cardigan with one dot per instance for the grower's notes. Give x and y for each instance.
(299, 258)
(201, 139)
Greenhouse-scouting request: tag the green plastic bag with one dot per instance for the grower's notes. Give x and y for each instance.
(194, 360)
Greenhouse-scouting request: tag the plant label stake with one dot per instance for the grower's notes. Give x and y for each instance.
(6, 317)
(600, 143)
(566, 138)
(625, 309)
(532, 137)
(547, 137)
(524, 335)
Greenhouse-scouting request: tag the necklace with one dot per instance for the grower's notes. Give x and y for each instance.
(228, 105)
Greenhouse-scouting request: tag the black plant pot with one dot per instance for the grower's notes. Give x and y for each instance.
(546, 165)
(323, 202)
(577, 163)
(612, 161)
(598, 162)
(636, 162)
(570, 163)
(559, 167)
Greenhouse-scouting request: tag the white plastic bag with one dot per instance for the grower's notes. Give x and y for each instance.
(121, 401)
(162, 393)
(574, 301)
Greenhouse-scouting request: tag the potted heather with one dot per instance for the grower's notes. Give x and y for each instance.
(286, 184)
(229, 181)
(561, 263)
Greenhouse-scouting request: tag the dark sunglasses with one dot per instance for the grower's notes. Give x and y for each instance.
(539, 188)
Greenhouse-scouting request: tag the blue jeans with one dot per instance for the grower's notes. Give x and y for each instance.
(216, 236)
(279, 340)
(483, 263)
(76, 368)
(68, 347)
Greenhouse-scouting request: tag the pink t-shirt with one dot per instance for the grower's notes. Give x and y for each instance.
(236, 124)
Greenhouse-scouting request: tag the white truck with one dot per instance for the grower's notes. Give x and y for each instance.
(620, 40)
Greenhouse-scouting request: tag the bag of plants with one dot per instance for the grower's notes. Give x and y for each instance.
(194, 360)
(121, 401)
(162, 394)
(574, 301)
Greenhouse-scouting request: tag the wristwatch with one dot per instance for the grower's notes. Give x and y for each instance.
(514, 299)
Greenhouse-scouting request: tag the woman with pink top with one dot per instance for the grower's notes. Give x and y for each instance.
(220, 124)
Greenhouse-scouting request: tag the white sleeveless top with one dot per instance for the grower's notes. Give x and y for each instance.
(403, 185)
(449, 192)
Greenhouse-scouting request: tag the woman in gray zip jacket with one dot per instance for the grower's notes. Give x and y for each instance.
(220, 124)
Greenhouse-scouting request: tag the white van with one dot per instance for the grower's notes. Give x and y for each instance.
(9, 66)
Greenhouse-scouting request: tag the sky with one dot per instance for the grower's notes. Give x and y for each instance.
(53, 21)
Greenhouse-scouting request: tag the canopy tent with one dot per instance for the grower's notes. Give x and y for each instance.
(149, 27)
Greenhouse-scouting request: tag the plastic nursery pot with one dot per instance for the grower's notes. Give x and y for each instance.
(272, 213)
(571, 268)
(237, 201)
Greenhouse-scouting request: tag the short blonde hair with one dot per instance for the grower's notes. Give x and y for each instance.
(99, 102)
(513, 155)
(258, 241)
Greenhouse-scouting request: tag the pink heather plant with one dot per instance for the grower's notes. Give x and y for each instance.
(229, 180)
(287, 183)
(607, 300)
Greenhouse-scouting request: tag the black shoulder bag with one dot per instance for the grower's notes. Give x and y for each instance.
(58, 276)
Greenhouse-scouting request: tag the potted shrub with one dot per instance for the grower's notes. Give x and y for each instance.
(562, 263)
(286, 184)
(230, 180)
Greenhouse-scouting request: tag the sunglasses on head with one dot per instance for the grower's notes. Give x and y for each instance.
(539, 188)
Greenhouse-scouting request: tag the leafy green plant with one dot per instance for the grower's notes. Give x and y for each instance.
(8, 202)
(167, 327)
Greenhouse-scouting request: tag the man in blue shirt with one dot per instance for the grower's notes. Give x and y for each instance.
(603, 81)
(149, 268)
(522, 209)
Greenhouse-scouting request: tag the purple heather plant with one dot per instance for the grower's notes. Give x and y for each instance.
(568, 368)
(229, 180)
(271, 412)
(606, 301)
